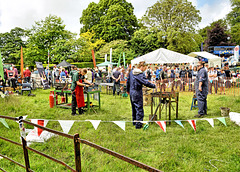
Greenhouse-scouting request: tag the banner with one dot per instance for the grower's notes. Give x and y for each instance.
(42, 75)
(236, 53)
(124, 60)
(1, 68)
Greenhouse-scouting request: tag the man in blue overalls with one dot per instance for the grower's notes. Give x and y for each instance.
(136, 79)
(201, 90)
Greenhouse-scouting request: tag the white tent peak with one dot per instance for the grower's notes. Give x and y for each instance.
(162, 56)
(213, 60)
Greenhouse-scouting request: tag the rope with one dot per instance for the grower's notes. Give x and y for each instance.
(216, 160)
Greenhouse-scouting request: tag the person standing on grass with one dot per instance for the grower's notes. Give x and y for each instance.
(116, 81)
(27, 74)
(201, 90)
(135, 81)
(77, 91)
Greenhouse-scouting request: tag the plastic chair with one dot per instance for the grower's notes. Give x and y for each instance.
(26, 87)
(194, 100)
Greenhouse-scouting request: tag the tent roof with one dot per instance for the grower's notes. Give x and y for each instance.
(64, 64)
(205, 55)
(106, 63)
(162, 56)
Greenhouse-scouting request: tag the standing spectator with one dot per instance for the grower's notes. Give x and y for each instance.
(221, 78)
(14, 78)
(27, 74)
(212, 74)
(228, 77)
(163, 77)
(47, 72)
(55, 73)
(63, 75)
(183, 76)
(73, 71)
(194, 75)
(98, 78)
(189, 78)
(89, 75)
(149, 73)
(116, 81)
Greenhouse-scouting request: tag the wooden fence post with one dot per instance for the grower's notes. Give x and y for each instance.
(77, 153)
(26, 157)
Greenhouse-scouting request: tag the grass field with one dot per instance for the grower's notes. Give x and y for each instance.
(179, 149)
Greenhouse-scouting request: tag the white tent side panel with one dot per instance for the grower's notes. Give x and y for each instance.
(162, 56)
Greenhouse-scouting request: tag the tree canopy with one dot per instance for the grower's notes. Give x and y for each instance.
(110, 20)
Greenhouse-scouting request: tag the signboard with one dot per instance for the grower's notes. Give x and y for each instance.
(236, 53)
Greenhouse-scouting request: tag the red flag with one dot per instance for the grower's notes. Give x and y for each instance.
(93, 57)
(162, 124)
(193, 124)
(21, 62)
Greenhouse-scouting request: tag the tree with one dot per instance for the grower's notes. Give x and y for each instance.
(110, 20)
(174, 24)
(217, 36)
(43, 36)
(145, 41)
(178, 15)
(11, 43)
(234, 20)
(118, 47)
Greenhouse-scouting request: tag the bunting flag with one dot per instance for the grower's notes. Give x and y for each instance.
(145, 127)
(162, 124)
(66, 125)
(121, 124)
(211, 122)
(2, 120)
(179, 123)
(193, 124)
(222, 119)
(235, 117)
(95, 123)
(41, 122)
(1, 68)
(124, 61)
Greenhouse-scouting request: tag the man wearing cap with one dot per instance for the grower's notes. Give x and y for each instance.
(135, 81)
(201, 90)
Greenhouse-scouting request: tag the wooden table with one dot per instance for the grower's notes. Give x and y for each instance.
(164, 98)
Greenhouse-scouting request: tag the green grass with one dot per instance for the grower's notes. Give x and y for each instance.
(176, 150)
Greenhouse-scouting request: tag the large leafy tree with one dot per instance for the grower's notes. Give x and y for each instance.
(110, 19)
(170, 21)
(234, 20)
(44, 36)
(11, 43)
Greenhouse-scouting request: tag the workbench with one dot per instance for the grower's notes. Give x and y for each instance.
(68, 105)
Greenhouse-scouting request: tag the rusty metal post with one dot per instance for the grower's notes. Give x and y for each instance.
(26, 157)
(77, 153)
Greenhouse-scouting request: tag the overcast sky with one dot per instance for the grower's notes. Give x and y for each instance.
(23, 13)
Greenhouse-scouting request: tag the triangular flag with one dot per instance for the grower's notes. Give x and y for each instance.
(66, 125)
(41, 122)
(210, 122)
(222, 120)
(121, 124)
(4, 122)
(95, 123)
(193, 124)
(179, 123)
(162, 124)
(24, 117)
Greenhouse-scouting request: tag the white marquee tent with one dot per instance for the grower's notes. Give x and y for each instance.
(162, 56)
(212, 59)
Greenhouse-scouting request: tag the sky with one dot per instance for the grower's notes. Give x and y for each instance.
(24, 13)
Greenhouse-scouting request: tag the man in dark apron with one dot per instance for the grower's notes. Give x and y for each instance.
(201, 90)
(77, 91)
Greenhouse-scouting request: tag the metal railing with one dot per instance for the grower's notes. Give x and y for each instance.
(76, 140)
